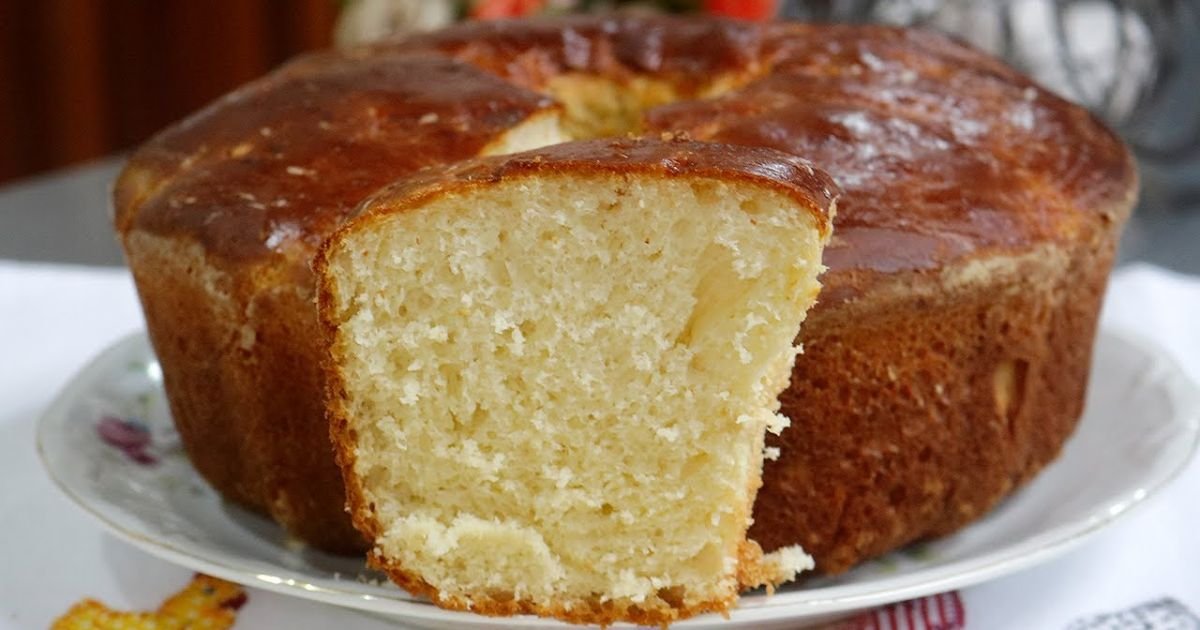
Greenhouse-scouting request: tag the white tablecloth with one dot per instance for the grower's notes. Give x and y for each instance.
(53, 319)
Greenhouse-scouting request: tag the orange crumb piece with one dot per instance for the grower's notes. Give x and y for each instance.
(206, 603)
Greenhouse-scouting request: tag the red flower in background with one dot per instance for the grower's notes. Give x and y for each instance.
(743, 9)
(740, 9)
(496, 9)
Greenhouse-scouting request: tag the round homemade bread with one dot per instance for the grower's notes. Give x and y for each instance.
(944, 364)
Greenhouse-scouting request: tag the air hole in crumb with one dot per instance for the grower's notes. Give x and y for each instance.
(752, 207)
(1008, 382)
(695, 464)
(502, 596)
(706, 193)
(672, 596)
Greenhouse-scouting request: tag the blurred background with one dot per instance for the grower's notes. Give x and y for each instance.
(90, 79)
(85, 78)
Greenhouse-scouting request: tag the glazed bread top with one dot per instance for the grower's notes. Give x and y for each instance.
(277, 164)
(942, 152)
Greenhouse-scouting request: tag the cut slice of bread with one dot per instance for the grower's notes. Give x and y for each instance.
(551, 373)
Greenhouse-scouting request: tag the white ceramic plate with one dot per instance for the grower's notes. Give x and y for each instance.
(108, 442)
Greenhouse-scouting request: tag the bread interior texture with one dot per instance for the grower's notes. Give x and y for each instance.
(557, 386)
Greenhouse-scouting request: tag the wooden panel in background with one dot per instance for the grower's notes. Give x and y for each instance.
(73, 98)
(84, 78)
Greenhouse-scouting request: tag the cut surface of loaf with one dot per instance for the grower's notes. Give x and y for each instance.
(551, 378)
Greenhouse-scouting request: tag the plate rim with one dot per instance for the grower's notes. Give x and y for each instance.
(1182, 391)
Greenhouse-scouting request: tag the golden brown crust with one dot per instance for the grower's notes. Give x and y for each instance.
(947, 160)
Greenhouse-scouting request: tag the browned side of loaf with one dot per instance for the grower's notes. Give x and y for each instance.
(245, 388)
(973, 390)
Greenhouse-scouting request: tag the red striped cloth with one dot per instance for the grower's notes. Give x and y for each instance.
(943, 611)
